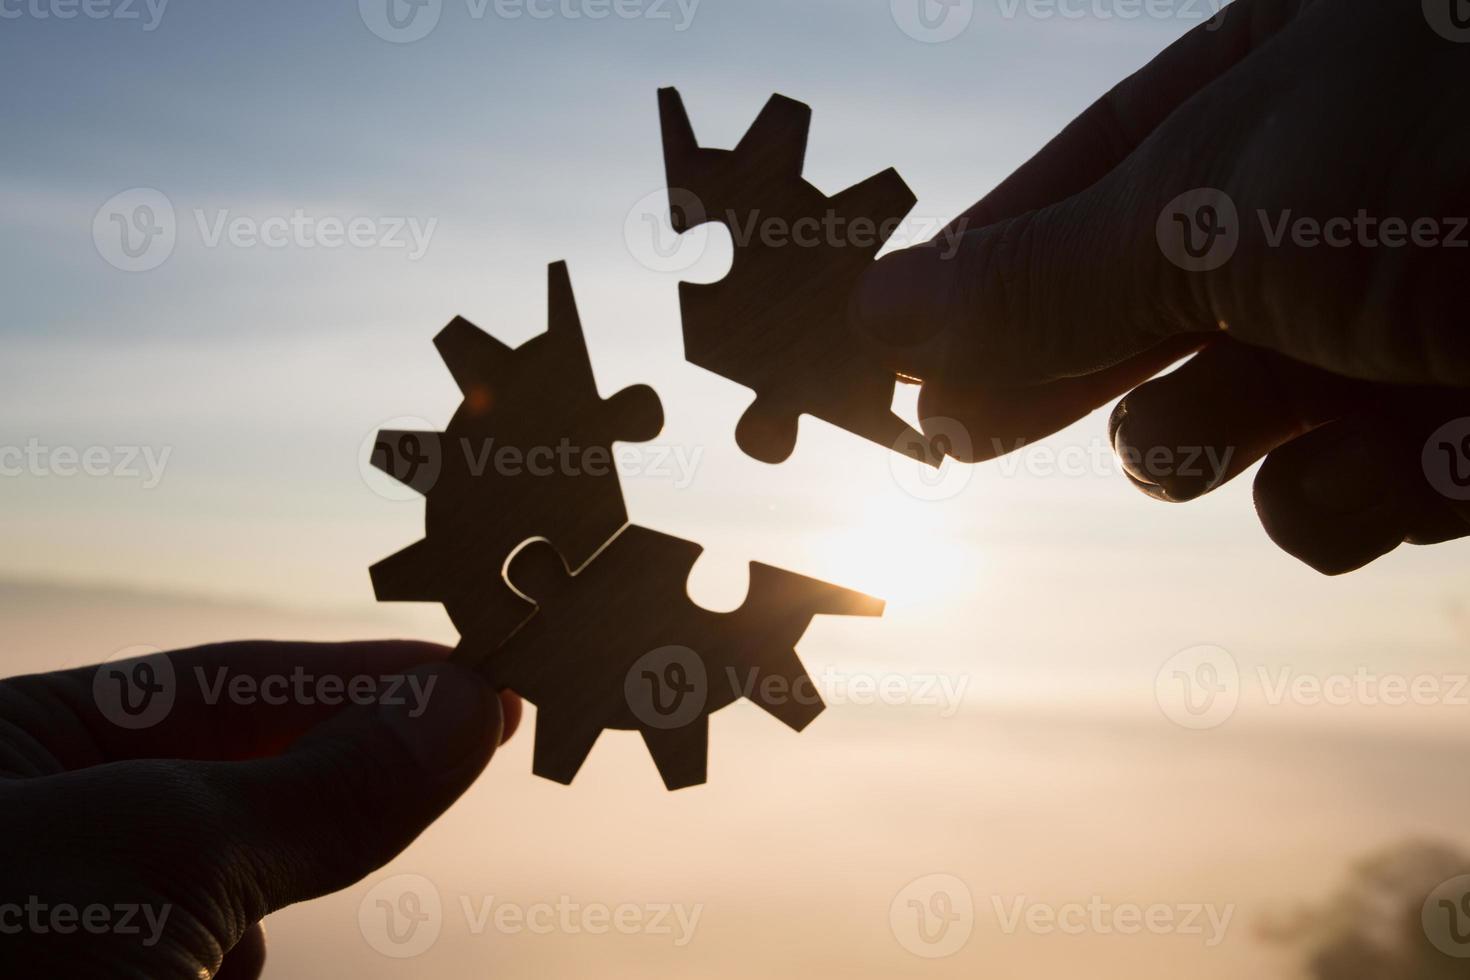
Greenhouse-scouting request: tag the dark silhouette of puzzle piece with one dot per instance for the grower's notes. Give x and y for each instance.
(528, 454)
(621, 645)
(778, 322)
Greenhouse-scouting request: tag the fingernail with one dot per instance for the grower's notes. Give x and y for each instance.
(444, 714)
(1170, 474)
(1128, 457)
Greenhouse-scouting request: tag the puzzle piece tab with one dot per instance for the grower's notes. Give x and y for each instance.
(621, 645)
(778, 322)
(528, 454)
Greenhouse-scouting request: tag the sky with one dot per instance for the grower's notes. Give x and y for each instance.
(227, 390)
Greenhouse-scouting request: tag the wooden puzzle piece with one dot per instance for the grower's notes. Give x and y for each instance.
(778, 322)
(619, 644)
(528, 454)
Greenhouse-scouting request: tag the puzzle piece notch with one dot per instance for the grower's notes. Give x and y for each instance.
(528, 453)
(777, 323)
(619, 644)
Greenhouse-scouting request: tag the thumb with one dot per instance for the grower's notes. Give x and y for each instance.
(213, 847)
(355, 791)
(1059, 292)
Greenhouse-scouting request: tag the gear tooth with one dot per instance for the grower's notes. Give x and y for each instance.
(562, 744)
(410, 575)
(799, 703)
(562, 319)
(408, 456)
(681, 754)
(884, 196)
(777, 589)
(470, 353)
(775, 144)
(680, 147)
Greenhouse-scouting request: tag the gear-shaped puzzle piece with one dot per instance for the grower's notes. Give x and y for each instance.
(528, 454)
(619, 644)
(778, 322)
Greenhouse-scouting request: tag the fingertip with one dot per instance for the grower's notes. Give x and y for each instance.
(1326, 503)
(511, 710)
(448, 718)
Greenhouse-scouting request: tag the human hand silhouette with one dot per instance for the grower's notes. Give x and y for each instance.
(1282, 190)
(155, 810)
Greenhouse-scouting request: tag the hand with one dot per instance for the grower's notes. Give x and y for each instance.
(154, 811)
(1335, 356)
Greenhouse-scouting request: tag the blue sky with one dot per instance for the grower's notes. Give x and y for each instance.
(262, 371)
